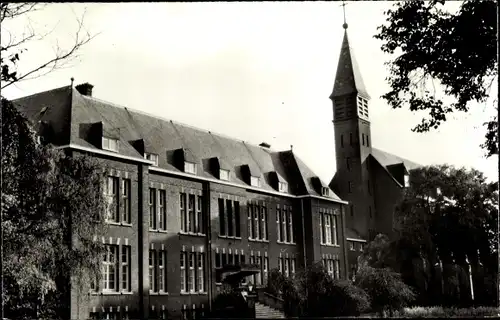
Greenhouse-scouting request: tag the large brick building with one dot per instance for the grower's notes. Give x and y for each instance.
(185, 202)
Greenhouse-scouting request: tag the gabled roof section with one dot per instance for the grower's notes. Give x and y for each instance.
(348, 78)
(52, 107)
(392, 164)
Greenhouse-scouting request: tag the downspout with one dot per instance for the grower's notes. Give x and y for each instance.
(208, 240)
(140, 251)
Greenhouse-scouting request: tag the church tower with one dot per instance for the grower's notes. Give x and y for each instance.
(351, 124)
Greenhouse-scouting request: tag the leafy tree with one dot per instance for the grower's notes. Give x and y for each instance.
(385, 288)
(457, 223)
(458, 51)
(13, 45)
(49, 206)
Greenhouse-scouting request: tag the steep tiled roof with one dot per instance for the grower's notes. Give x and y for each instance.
(387, 159)
(70, 110)
(348, 78)
(390, 163)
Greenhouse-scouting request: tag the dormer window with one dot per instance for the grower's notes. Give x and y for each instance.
(254, 181)
(189, 167)
(151, 157)
(407, 181)
(283, 187)
(324, 191)
(110, 144)
(224, 174)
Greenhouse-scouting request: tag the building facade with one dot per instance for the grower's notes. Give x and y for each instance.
(184, 202)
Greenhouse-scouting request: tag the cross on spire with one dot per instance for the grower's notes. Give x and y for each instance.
(343, 9)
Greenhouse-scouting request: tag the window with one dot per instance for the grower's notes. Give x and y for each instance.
(280, 264)
(191, 272)
(152, 271)
(324, 191)
(110, 274)
(351, 246)
(352, 210)
(287, 267)
(162, 210)
(229, 220)
(162, 271)
(278, 223)
(222, 218)
(112, 212)
(266, 269)
(407, 181)
(151, 157)
(342, 140)
(110, 144)
(183, 271)
(361, 247)
(336, 268)
(190, 167)
(192, 266)
(328, 226)
(255, 181)
(152, 208)
(292, 267)
(350, 138)
(363, 138)
(258, 276)
(182, 207)
(283, 186)
(263, 221)
(224, 174)
(191, 211)
(257, 222)
(348, 163)
(332, 267)
(237, 218)
(367, 141)
(351, 186)
(125, 268)
(200, 227)
(201, 272)
(284, 222)
(126, 200)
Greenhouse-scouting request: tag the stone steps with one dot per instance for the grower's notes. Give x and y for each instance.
(265, 312)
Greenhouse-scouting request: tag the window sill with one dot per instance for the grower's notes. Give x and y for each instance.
(281, 242)
(158, 230)
(331, 245)
(258, 240)
(111, 293)
(193, 293)
(192, 234)
(229, 237)
(119, 224)
(151, 293)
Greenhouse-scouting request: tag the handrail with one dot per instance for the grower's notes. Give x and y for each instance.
(274, 297)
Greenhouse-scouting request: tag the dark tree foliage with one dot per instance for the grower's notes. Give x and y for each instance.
(50, 216)
(459, 51)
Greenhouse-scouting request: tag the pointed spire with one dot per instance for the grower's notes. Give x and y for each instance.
(348, 78)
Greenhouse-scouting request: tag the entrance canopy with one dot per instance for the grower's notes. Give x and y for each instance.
(235, 274)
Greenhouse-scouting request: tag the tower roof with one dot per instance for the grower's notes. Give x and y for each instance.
(348, 78)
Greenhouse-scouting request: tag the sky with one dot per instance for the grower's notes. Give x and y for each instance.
(255, 71)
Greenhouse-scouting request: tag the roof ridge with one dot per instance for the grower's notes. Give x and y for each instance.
(41, 92)
(128, 109)
(399, 157)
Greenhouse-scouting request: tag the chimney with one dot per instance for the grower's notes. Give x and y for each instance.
(85, 89)
(265, 145)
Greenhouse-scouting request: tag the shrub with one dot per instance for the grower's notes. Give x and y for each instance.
(385, 288)
(275, 282)
(440, 312)
(314, 293)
